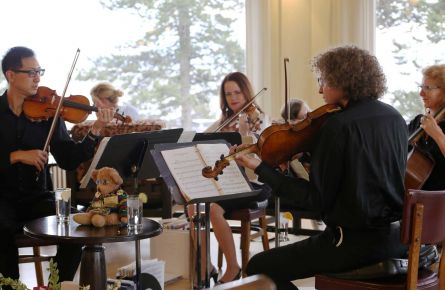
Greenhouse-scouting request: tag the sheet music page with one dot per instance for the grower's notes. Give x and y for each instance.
(232, 181)
(186, 165)
(186, 136)
(86, 178)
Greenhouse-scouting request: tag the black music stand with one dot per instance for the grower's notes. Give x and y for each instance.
(197, 219)
(127, 153)
(234, 138)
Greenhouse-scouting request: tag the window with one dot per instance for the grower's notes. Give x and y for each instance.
(168, 57)
(410, 36)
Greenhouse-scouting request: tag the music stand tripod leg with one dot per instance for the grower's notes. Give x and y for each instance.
(197, 223)
(207, 229)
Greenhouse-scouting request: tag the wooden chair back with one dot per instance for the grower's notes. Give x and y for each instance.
(423, 222)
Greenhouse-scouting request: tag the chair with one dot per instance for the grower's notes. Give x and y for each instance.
(37, 258)
(423, 223)
(246, 216)
(256, 282)
(298, 216)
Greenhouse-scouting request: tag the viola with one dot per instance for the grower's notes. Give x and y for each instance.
(278, 143)
(254, 121)
(75, 108)
(249, 108)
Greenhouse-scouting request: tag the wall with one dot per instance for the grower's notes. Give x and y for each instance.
(299, 30)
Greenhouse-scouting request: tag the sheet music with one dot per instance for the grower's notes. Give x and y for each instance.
(86, 178)
(186, 136)
(232, 180)
(186, 165)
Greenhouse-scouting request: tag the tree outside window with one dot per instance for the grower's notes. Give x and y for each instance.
(410, 36)
(176, 68)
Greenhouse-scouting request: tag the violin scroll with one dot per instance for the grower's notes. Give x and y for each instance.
(208, 172)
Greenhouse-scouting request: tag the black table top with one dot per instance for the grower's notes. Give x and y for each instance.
(47, 228)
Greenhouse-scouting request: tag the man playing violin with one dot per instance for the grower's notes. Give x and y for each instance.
(23, 196)
(356, 176)
(432, 91)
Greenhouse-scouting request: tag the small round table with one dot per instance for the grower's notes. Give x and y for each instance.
(92, 265)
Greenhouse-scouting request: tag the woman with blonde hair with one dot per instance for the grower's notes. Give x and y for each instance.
(105, 95)
(432, 92)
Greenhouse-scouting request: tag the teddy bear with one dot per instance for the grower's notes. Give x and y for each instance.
(109, 205)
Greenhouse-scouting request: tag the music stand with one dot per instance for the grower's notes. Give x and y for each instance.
(197, 219)
(234, 138)
(127, 153)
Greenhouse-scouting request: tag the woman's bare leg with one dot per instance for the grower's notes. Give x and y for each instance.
(224, 236)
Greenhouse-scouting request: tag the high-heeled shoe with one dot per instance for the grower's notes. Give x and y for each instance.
(213, 275)
(237, 276)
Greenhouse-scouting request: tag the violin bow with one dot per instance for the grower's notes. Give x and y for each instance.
(59, 106)
(416, 135)
(286, 104)
(57, 113)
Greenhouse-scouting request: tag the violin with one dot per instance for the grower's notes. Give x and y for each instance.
(278, 143)
(75, 108)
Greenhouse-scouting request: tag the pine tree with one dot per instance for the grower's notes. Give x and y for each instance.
(179, 63)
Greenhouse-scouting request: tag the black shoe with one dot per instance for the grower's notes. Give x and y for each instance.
(214, 275)
(237, 276)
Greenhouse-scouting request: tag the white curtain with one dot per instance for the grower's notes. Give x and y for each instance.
(299, 30)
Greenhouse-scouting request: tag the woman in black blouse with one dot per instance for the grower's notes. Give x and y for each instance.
(432, 91)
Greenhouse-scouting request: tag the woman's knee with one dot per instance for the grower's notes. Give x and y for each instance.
(216, 212)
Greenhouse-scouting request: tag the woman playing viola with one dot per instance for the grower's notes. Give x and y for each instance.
(235, 92)
(432, 91)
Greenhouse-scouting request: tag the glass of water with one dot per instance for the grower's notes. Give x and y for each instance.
(134, 213)
(63, 204)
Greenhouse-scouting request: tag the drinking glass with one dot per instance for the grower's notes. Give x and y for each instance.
(134, 213)
(63, 204)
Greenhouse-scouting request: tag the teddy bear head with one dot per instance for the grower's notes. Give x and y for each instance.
(107, 180)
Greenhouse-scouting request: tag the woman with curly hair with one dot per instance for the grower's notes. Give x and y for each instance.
(356, 176)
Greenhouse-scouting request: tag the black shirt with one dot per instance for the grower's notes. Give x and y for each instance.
(18, 181)
(357, 171)
(436, 180)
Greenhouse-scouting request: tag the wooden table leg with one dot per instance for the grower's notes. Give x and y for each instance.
(93, 268)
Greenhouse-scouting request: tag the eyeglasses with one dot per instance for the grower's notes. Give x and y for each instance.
(31, 72)
(428, 88)
(320, 82)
